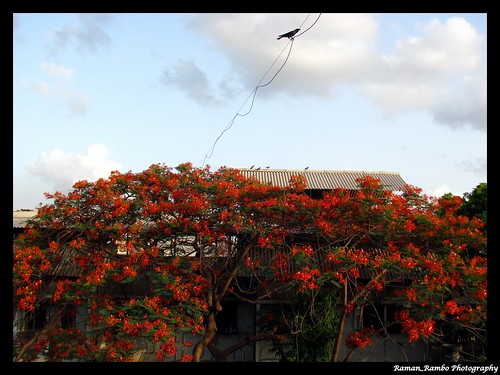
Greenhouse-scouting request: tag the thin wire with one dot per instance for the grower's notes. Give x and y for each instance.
(254, 91)
(252, 94)
(310, 27)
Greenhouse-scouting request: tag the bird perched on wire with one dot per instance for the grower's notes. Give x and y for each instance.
(289, 34)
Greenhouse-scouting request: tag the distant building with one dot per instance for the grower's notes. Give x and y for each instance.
(20, 218)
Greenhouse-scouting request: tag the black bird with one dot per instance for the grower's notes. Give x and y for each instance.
(289, 34)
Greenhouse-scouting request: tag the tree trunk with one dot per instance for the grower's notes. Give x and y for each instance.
(54, 321)
(340, 332)
(208, 336)
(214, 300)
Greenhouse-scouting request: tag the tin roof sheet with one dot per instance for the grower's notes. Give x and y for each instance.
(326, 179)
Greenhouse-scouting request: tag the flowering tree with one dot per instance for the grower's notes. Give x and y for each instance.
(432, 258)
(180, 236)
(414, 251)
(417, 252)
(138, 262)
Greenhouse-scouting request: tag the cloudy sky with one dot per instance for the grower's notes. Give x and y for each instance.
(396, 92)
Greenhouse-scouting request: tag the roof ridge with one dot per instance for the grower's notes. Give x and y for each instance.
(314, 170)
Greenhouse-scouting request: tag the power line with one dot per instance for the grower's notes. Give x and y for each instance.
(254, 91)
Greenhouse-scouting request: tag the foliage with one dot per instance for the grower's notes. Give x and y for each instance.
(140, 262)
(475, 203)
(309, 322)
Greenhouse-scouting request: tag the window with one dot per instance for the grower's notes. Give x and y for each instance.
(36, 319)
(377, 315)
(227, 318)
(41, 315)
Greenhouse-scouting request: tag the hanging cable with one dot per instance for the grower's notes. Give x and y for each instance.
(254, 91)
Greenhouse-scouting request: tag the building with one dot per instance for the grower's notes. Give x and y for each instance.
(239, 320)
(20, 218)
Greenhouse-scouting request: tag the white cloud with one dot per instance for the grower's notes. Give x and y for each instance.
(88, 31)
(453, 46)
(439, 191)
(40, 87)
(57, 71)
(78, 102)
(189, 78)
(438, 70)
(476, 166)
(333, 51)
(59, 87)
(63, 169)
(463, 104)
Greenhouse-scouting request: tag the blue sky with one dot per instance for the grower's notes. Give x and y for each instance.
(396, 92)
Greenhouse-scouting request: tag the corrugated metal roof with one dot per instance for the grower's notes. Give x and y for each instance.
(325, 179)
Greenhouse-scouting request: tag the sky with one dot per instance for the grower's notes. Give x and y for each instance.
(393, 92)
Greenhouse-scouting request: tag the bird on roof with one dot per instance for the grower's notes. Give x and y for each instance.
(289, 34)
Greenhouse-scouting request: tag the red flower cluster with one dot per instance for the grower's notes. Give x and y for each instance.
(413, 328)
(185, 235)
(360, 339)
(307, 279)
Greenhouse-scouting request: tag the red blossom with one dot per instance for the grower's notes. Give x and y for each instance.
(173, 224)
(360, 339)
